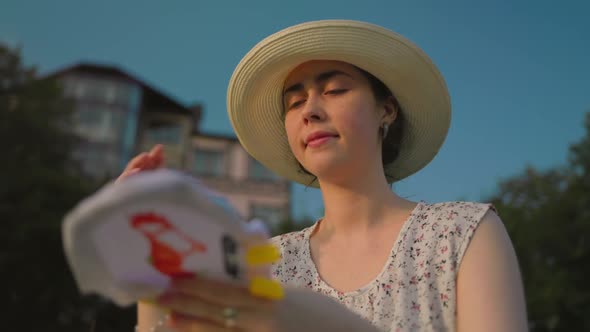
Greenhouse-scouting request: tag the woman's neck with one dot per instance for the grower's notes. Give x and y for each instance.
(356, 207)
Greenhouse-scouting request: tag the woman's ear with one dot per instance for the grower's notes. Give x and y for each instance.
(389, 105)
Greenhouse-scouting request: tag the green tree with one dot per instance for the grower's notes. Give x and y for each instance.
(547, 214)
(39, 184)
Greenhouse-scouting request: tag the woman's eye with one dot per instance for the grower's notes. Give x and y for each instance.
(336, 91)
(296, 104)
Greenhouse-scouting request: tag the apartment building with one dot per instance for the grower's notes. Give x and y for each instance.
(223, 164)
(118, 116)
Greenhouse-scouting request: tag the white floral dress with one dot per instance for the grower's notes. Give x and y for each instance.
(416, 289)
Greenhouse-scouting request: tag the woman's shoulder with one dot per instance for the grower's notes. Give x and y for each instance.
(449, 226)
(456, 210)
(452, 221)
(293, 248)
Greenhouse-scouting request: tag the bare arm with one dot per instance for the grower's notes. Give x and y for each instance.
(490, 294)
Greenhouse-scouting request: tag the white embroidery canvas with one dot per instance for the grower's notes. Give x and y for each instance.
(127, 240)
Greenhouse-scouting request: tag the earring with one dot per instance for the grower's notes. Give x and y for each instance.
(385, 130)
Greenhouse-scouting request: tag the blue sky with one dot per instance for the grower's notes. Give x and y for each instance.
(518, 71)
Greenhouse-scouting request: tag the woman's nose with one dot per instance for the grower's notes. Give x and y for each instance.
(314, 110)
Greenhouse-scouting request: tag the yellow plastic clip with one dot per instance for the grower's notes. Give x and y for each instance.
(267, 288)
(262, 254)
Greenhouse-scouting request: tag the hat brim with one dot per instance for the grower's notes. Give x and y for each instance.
(254, 97)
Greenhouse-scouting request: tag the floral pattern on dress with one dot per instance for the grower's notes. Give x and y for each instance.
(416, 290)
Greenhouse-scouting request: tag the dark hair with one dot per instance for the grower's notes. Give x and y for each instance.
(391, 144)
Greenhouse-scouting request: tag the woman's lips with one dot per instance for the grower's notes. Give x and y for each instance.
(314, 143)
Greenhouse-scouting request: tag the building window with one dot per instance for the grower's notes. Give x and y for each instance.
(163, 132)
(97, 161)
(269, 214)
(208, 162)
(257, 171)
(98, 90)
(90, 117)
(70, 86)
(120, 94)
(80, 89)
(99, 123)
(110, 93)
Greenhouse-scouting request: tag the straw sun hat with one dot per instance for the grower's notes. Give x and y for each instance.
(254, 97)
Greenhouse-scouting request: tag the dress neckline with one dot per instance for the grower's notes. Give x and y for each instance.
(393, 252)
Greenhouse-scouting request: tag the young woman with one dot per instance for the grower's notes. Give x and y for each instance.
(351, 107)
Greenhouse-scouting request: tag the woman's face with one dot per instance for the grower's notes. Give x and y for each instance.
(332, 119)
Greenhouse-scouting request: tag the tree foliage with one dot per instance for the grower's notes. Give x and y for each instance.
(39, 184)
(547, 214)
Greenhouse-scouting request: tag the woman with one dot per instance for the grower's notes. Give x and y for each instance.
(351, 107)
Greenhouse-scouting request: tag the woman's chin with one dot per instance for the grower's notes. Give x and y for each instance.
(325, 169)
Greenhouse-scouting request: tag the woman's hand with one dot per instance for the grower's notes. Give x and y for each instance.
(199, 304)
(144, 161)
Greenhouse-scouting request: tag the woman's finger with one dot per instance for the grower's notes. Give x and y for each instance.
(219, 292)
(188, 323)
(212, 313)
(159, 156)
(136, 162)
(155, 157)
(155, 154)
(156, 151)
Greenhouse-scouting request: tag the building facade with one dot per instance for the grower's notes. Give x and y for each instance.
(223, 164)
(117, 116)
